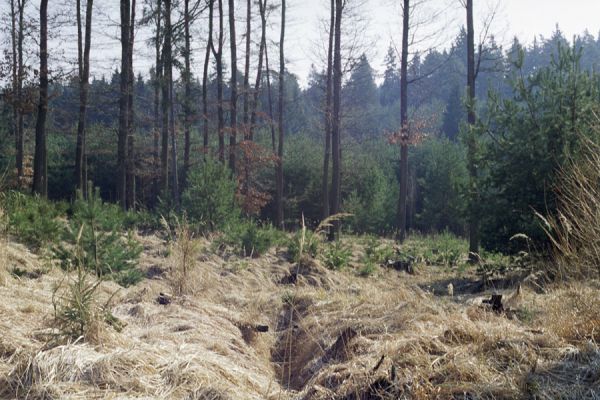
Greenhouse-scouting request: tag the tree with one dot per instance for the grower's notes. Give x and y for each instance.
(390, 88)
(209, 45)
(130, 159)
(328, 113)
(40, 161)
(187, 102)
(233, 100)
(336, 179)
(83, 60)
(17, 34)
(262, 4)
(247, 68)
(218, 54)
(279, 173)
(123, 103)
(404, 133)
(471, 140)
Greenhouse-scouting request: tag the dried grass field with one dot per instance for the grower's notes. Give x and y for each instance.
(331, 334)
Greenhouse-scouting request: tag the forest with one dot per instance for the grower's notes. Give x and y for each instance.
(211, 225)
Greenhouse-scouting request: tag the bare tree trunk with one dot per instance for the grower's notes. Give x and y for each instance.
(123, 104)
(233, 100)
(209, 45)
(130, 116)
(20, 75)
(40, 162)
(279, 173)
(262, 8)
(336, 120)
(404, 133)
(328, 96)
(247, 67)
(15, 100)
(84, 76)
(218, 54)
(168, 106)
(187, 104)
(472, 145)
(157, 86)
(270, 100)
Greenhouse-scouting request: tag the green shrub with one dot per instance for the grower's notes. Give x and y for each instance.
(32, 219)
(210, 198)
(336, 256)
(250, 239)
(378, 253)
(301, 244)
(95, 227)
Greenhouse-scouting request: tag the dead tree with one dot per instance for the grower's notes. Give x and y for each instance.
(40, 161)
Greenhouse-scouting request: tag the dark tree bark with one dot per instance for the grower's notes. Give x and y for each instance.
(168, 106)
(40, 161)
(83, 57)
(209, 45)
(472, 145)
(157, 86)
(270, 100)
(404, 133)
(15, 103)
(233, 100)
(336, 119)
(328, 97)
(130, 163)
(218, 54)
(187, 103)
(263, 18)
(279, 172)
(123, 104)
(247, 68)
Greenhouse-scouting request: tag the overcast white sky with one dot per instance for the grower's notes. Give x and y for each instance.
(521, 18)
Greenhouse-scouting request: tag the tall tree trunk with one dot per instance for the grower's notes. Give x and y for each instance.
(157, 87)
(209, 45)
(336, 120)
(233, 100)
(279, 173)
(20, 76)
(187, 103)
(404, 133)
(131, 115)
(15, 102)
(471, 141)
(40, 162)
(247, 68)
(218, 54)
(328, 96)
(168, 107)
(263, 18)
(270, 100)
(123, 104)
(83, 53)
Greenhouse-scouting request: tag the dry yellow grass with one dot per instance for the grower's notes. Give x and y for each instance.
(332, 335)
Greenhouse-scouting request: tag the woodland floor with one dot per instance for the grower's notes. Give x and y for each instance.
(331, 334)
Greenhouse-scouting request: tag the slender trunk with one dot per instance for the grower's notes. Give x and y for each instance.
(209, 44)
(328, 96)
(404, 133)
(259, 69)
(335, 123)
(187, 103)
(157, 86)
(165, 60)
(84, 75)
(15, 99)
(247, 68)
(270, 100)
(233, 100)
(472, 145)
(131, 115)
(279, 173)
(123, 106)
(168, 107)
(219, 59)
(20, 75)
(40, 162)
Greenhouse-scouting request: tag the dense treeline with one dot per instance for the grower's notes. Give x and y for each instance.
(150, 138)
